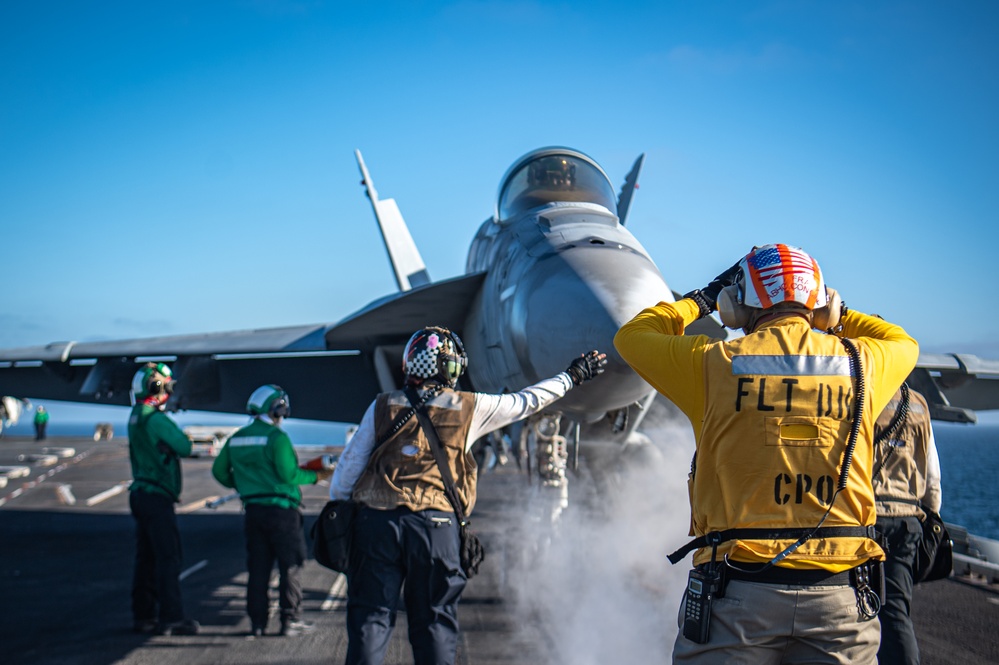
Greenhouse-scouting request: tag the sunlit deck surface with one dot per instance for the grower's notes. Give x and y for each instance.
(65, 578)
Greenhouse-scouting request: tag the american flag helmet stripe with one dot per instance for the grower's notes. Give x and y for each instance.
(781, 273)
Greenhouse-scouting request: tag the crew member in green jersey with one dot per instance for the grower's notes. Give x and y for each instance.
(155, 446)
(41, 423)
(261, 464)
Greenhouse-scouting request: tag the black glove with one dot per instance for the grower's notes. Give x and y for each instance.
(707, 298)
(587, 366)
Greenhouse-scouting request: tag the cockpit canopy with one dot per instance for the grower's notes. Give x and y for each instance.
(550, 175)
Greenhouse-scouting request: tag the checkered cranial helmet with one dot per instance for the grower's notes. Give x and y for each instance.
(434, 353)
(778, 273)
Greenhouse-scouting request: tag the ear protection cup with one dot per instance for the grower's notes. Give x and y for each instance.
(733, 313)
(827, 317)
(154, 387)
(454, 366)
(280, 409)
(434, 353)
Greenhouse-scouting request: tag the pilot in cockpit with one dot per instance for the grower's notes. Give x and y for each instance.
(556, 172)
(553, 178)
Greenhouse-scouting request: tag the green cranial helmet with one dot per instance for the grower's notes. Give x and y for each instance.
(152, 379)
(269, 400)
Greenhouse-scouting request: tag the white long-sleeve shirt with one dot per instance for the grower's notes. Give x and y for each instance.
(934, 496)
(491, 412)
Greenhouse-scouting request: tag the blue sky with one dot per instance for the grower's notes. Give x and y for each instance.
(186, 167)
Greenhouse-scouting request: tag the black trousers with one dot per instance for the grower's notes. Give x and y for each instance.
(273, 534)
(389, 547)
(156, 583)
(898, 640)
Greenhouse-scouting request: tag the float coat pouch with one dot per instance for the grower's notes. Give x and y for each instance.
(331, 534)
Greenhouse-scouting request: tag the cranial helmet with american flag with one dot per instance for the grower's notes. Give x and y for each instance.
(778, 273)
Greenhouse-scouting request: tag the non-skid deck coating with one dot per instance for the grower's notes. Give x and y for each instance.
(65, 571)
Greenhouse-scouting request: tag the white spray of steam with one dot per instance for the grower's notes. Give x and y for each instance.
(600, 587)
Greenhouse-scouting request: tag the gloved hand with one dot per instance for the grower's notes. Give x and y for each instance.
(707, 298)
(323, 474)
(586, 366)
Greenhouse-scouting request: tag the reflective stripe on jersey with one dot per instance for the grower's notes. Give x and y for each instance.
(792, 365)
(248, 441)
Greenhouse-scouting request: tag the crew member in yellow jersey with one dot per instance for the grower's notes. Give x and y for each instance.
(786, 569)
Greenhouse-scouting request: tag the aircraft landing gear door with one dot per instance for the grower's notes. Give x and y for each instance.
(574, 448)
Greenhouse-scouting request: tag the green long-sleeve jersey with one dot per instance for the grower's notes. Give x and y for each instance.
(155, 446)
(260, 463)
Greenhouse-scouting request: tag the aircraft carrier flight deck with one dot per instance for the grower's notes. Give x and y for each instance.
(67, 555)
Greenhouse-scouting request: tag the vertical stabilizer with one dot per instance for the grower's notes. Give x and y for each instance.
(628, 189)
(407, 264)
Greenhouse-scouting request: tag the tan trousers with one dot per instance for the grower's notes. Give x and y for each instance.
(782, 624)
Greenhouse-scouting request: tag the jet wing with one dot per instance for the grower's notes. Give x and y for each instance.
(215, 371)
(331, 372)
(393, 319)
(956, 385)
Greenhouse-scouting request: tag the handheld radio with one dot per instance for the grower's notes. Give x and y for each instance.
(702, 588)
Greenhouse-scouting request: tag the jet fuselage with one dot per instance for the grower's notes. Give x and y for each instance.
(561, 278)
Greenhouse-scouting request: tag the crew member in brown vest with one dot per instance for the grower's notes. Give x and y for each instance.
(906, 478)
(405, 529)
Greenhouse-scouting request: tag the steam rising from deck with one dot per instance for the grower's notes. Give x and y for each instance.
(596, 587)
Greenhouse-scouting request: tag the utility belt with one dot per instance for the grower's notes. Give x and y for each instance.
(778, 533)
(863, 575)
(762, 574)
(709, 581)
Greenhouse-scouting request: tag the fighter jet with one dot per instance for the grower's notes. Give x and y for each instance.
(553, 272)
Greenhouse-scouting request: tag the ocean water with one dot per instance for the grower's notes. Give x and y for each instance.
(969, 468)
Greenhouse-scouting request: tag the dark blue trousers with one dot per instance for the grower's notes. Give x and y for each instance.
(155, 583)
(390, 547)
(898, 640)
(273, 534)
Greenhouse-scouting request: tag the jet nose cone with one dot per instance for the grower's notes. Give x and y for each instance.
(575, 302)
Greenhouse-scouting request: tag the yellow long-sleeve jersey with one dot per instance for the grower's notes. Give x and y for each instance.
(772, 413)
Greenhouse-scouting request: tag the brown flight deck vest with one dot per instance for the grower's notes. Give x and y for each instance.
(402, 471)
(902, 481)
